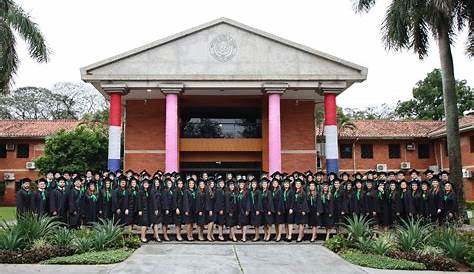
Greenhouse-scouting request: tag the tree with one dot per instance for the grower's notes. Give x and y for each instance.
(64, 101)
(427, 102)
(14, 19)
(343, 121)
(383, 111)
(408, 25)
(75, 151)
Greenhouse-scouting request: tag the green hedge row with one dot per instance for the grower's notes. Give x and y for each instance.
(380, 262)
(94, 257)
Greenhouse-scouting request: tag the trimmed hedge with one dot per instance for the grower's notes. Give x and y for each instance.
(380, 262)
(94, 257)
(32, 256)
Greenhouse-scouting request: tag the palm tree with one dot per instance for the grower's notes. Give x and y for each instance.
(408, 25)
(14, 19)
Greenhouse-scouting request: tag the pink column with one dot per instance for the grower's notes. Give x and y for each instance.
(274, 133)
(171, 133)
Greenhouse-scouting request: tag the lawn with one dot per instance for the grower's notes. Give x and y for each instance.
(7, 213)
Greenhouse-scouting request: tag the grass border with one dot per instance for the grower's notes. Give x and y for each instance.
(380, 262)
(112, 256)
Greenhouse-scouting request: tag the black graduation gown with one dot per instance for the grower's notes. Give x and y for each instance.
(267, 207)
(90, 208)
(315, 209)
(301, 208)
(327, 218)
(210, 204)
(50, 185)
(23, 202)
(243, 205)
(157, 210)
(132, 217)
(416, 198)
(278, 206)
(406, 202)
(255, 206)
(384, 213)
(437, 197)
(57, 203)
(338, 197)
(426, 205)
(201, 208)
(231, 208)
(178, 203)
(105, 204)
(167, 206)
(349, 203)
(371, 204)
(359, 203)
(450, 205)
(120, 201)
(189, 206)
(288, 198)
(40, 202)
(74, 199)
(145, 206)
(396, 209)
(219, 206)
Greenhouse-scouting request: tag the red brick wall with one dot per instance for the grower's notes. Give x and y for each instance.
(297, 136)
(12, 164)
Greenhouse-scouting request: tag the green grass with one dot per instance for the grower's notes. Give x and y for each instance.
(380, 262)
(93, 257)
(7, 213)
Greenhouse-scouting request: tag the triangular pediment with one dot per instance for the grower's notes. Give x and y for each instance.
(224, 50)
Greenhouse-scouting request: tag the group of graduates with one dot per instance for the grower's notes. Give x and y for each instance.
(236, 201)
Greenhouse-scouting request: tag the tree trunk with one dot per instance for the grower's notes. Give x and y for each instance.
(451, 111)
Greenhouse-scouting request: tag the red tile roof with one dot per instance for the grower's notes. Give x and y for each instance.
(399, 129)
(34, 128)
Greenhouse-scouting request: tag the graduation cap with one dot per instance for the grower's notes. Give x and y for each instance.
(428, 171)
(119, 171)
(390, 173)
(401, 172)
(320, 173)
(146, 181)
(276, 173)
(358, 174)
(129, 171)
(61, 178)
(42, 180)
(444, 172)
(122, 178)
(344, 174)
(393, 182)
(382, 173)
(332, 173)
(370, 172)
(414, 171)
(25, 180)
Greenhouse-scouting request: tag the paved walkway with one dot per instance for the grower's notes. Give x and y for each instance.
(221, 259)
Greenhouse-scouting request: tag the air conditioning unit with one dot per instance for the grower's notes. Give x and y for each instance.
(405, 165)
(381, 168)
(30, 165)
(466, 173)
(10, 147)
(411, 146)
(9, 176)
(435, 169)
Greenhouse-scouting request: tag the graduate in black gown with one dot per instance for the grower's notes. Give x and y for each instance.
(383, 206)
(301, 209)
(210, 211)
(201, 209)
(23, 198)
(406, 202)
(58, 200)
(394, 202)
(167, 207)
(371, 201)
(416, 199)
(145, 208)
(426, 203)
(338, 197)
(279, 208)
(231, 209)
(40, 199)
(50, 183)
(349, 201)
(359, 199)
(120, 201)
(219, 208)
(268, 209)
(132, 217)
(105, 200)
(156, 208)
(437, 195)
(189, 205)
(178, 207)
(90, 205)
(74, 199)
(288, 203)
(450, 203)
(255, 208)
(243, 206)
(327, 202)
(315, 210)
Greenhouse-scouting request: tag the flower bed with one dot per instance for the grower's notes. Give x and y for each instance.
(94, 257)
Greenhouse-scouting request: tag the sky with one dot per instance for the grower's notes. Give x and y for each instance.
(80, 33)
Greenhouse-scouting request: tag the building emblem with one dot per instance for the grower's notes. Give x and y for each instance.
(223, 47)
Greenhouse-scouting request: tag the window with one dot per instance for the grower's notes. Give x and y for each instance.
(367, 151)
(471, 139)
(394, 151)
(423, 151)
(23, 151)
(445, 148)
(345, 151)
(3, 151)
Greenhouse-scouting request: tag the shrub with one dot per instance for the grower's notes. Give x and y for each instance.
(100, 257)
(83, 244)
(381, 262)
(432, 262)
(32, 256)
(431, 250)
(134, 242)
(412, 234)
(62, 236)
(106, 234)
(382, 244)
(454, 247)
(469, 257)
(11, 240)
(358, 227)
(40, 244)
(33, 227)
(336, 244)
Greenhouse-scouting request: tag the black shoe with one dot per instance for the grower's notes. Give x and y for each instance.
(299, 240)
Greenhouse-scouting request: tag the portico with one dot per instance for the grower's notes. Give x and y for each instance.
(221, 95)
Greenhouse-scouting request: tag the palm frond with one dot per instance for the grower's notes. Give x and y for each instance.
(22, 22)
(363, 5)
(8, 56)
(396, 26)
